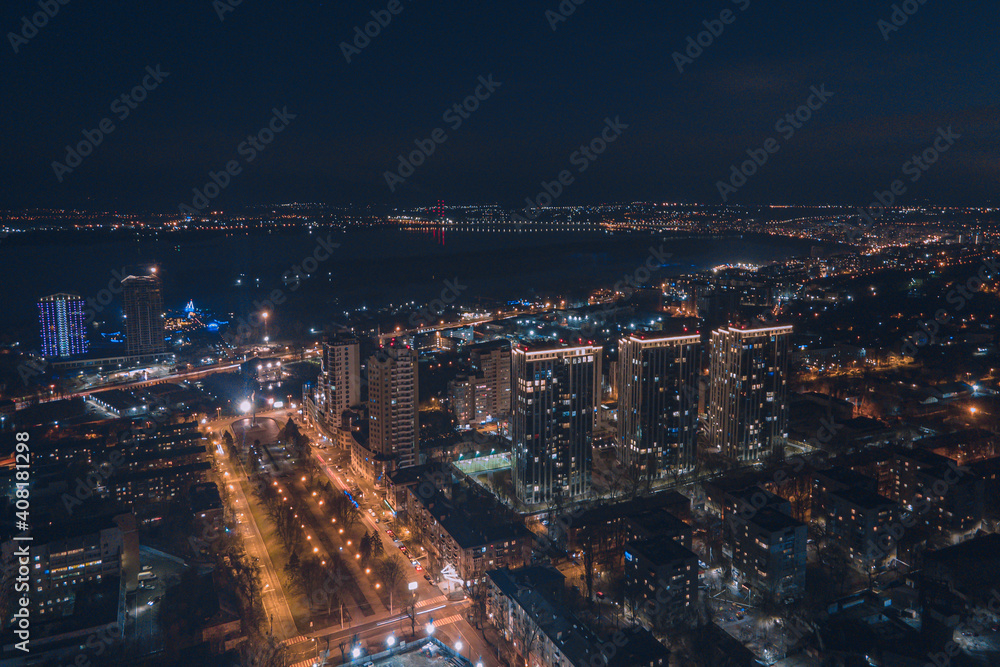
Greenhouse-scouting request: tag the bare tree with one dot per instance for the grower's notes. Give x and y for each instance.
(528, 636)
(262, 651)
(390, 571)
(378, 549)
(410, 609)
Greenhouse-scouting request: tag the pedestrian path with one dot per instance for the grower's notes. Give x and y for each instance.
(426, 603)
(447, 621)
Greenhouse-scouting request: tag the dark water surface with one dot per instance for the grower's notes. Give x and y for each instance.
(370, 267)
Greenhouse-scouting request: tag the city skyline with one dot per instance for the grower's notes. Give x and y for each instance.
(493, 334)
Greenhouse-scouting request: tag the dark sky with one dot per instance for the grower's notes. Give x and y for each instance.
(608, 59)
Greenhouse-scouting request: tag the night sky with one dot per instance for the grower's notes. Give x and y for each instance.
(606, 60)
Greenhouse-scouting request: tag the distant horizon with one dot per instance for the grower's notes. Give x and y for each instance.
(385, 206)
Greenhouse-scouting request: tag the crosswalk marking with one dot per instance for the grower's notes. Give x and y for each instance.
(424, 603)
(447, 621)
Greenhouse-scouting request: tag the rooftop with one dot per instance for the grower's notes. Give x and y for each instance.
(660, 550)
(489, 346)
(846, 476)
(563, 629)
(773, 521)
(425, 653)
(79, 526)
(205, 497)
(863, 498)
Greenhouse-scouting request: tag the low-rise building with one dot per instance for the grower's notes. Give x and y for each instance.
(605, 529)
(470, 399)
(661, 581)
(526, 607)
(860, 521)
(837, 478)
(464, 530)
(769, 553)
(944, 496)
(206, 508)
(67, 557)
